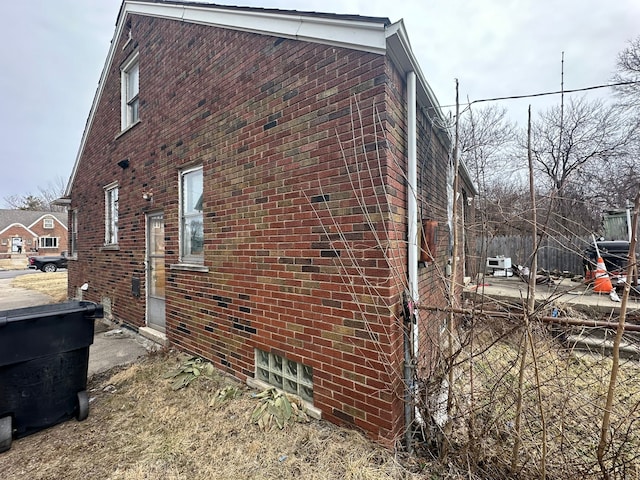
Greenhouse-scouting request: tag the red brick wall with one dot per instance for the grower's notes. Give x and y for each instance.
(433, 160)
(294, 266)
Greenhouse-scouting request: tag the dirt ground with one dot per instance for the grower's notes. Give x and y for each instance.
(140, 428)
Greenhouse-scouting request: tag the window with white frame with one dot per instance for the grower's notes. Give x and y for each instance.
(191, 219)
(130, 83)
(73, 247)
(292, 377)
(48, 242)
(111, 214)
(47, 223)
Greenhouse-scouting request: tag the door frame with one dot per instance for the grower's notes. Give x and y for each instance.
(147, 271)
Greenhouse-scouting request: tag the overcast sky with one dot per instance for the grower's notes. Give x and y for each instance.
(52, 54)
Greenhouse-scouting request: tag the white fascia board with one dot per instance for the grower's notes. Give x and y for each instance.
(364, 36)
(361, 36)
(22, 225)
(400, 52)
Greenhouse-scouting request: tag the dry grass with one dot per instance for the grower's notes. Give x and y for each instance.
(52, 284)
(573, 388)
(146, 430)
(13, 263)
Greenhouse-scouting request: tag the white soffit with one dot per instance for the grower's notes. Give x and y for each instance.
(359, 35)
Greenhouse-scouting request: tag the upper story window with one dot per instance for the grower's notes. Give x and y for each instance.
(111, 214)
(191, 220)
(130, 82)
(47, 223)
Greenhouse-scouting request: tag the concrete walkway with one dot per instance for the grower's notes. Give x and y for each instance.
(111, 346)
(115, 346)
(563, 293)
(11, 297)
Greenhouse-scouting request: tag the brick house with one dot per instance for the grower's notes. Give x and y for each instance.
(242, 190)
(28, 231)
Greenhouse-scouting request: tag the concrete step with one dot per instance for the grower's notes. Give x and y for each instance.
(603, 346)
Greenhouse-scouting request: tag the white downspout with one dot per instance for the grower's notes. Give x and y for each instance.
(412, 255)
(412, 201)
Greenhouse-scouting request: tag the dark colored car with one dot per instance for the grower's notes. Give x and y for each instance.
(49, 263)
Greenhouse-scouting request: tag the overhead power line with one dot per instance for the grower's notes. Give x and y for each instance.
(557, 92)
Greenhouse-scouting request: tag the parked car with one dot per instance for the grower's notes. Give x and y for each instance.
(48, 263)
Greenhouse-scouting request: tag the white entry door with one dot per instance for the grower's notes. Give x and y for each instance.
(156, 277)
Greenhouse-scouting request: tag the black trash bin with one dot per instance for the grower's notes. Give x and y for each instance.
(44, 357)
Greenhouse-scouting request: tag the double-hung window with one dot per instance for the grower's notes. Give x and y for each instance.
(191, 220)
(130, 82)
(111, 214)
(73, 248)
(47, 223)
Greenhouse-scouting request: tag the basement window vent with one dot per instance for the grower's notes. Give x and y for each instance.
(106, 307)
(285, 374)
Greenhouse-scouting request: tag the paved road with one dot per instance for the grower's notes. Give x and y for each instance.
(16, 273)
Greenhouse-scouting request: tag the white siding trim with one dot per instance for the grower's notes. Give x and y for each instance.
(354, 34)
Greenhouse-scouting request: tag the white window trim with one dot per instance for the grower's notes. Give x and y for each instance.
(126, 120)
(42, 240)
(110, 225)
(47, 223)
(73, 238)
(187, 259)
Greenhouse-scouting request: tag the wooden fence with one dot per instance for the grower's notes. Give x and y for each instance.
(555, 253)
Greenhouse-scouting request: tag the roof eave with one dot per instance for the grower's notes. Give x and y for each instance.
(349, 33)
(400, 52)
(366, 36)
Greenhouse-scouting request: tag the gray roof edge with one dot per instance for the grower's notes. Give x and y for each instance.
(28, 218)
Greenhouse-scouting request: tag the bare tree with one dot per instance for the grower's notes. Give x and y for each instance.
(487, 139)
(44, 201)
(574, 149)
(628, 70)
(25, 202)
(53, 191)
(626, 175)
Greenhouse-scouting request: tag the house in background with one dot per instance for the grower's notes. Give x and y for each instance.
(250, 187)
(29, 231)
